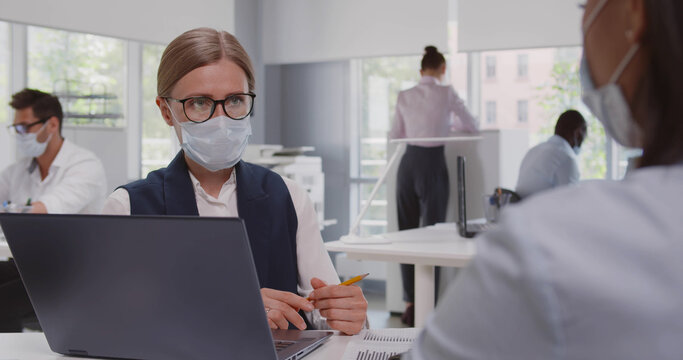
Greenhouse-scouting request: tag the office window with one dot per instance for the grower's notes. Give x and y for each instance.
(522, 111)
(522, 66)
(491, 112)
(87, 72)
(552, 86)
(4, 71)
(380, 80)
(490, 67)
(159, 142)
(6, 144)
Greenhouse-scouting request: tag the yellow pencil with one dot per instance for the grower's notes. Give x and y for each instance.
(350, 281)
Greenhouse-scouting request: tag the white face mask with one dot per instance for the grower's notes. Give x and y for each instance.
(577, 150)
(217, 143)
(608, 103)
(29, 145)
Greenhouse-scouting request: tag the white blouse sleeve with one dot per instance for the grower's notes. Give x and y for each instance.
(312, 258)
(118, 203)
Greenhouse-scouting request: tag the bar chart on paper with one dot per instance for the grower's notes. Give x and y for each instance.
(380, 344)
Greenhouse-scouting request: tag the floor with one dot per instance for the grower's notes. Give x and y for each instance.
(378, 316)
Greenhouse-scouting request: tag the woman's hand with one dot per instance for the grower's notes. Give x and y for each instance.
(344, 307)
(283, 307)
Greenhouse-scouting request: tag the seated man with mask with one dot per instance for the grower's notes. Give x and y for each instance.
(56, 175)
(52, 175)
(554, 162)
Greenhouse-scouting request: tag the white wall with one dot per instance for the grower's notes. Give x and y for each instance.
(312, 108)
(299, 31)
(156, 21)
(517, 24)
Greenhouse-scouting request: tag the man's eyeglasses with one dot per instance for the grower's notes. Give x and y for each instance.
(22, 129)
(201, 108)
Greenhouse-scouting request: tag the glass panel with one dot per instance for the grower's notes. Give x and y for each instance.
(491, 112)
(158, 139)
(522, 66)
(522, 111)
(550, 87)
(87, 73)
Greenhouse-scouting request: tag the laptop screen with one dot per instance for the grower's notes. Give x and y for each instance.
(462, 206)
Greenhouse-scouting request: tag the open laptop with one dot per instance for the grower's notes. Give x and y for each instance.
(466, 229)
(142, 287)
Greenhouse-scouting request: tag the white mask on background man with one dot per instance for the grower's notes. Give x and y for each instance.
(608, 103)
(217, 143)
(28, 143)
(577, 150)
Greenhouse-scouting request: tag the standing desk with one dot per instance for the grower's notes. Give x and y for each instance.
(426, 248)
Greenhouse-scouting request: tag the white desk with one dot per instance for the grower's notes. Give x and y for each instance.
(33, 346)
(425, 248)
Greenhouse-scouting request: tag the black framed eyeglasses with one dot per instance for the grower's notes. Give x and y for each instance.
(201, 108)
(22, 129)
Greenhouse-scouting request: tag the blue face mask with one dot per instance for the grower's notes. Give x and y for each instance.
(608, 103)
(29, 145)
(217, 143)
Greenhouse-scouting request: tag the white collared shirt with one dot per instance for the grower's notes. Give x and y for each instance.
(425, 111)
(75, 183)
(589, 272)
(312, 258)
(548, 165)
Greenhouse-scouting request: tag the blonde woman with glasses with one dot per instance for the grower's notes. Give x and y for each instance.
(206, 92)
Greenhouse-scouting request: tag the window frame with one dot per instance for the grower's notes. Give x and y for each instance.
(523, 66)
(491, 63)
(491, 112)
(523, 111)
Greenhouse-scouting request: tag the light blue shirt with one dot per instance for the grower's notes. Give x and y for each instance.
(587, 272)
(546, 166)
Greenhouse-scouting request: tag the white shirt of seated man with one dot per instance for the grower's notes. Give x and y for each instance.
(53, 175)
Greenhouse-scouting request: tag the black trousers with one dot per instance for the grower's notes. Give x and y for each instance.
(422, 198)
(14, 302)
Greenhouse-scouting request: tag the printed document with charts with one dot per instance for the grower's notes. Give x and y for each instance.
(380, 344)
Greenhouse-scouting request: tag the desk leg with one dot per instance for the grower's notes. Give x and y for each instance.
(424, 293)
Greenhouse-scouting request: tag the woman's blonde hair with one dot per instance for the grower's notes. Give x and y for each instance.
(196, 48)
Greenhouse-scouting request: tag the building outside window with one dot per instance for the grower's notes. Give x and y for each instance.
(523, 66)
(491, 113)
(490, 67)
(551, 87)
(522, 111)
(87, 72)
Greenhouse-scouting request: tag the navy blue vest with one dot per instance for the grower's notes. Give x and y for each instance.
(263, 202)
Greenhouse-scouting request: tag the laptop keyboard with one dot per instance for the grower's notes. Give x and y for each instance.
(281, 344)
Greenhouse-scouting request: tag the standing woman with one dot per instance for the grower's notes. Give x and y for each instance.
(425, 111)
(206, 93)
